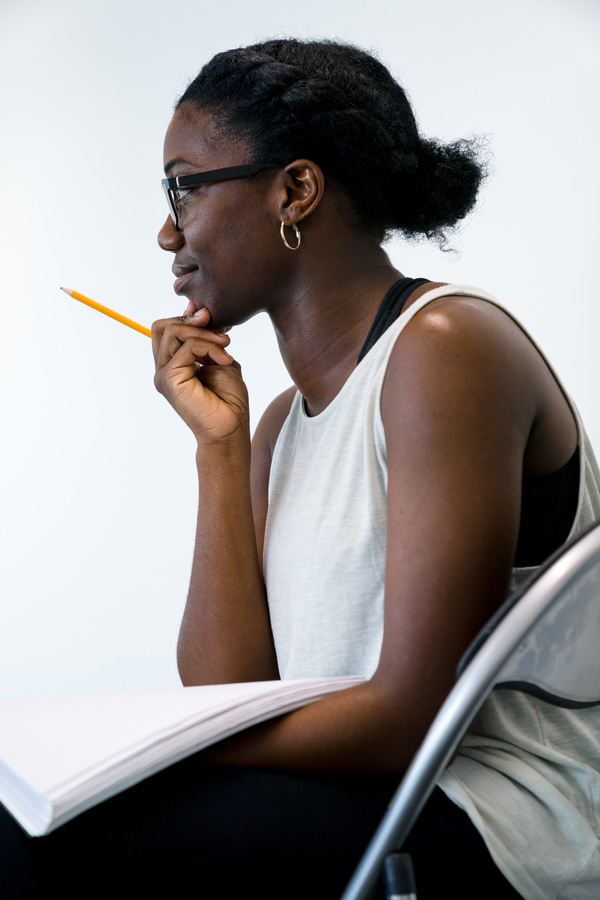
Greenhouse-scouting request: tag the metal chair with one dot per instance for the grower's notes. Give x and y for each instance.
(544, 640)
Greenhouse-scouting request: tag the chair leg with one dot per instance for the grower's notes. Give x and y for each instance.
(399, 877)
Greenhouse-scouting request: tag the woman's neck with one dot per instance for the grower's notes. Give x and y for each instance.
(325, 320)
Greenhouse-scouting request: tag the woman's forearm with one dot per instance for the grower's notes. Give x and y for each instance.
(360, 729)
(225, 633)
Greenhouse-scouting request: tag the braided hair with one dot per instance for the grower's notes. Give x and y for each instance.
(339, 106)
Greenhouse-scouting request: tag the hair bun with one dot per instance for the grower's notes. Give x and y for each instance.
(443, 187)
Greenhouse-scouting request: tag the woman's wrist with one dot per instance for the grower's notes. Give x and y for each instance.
(233, 447)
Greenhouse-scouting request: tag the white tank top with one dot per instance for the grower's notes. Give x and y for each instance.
(325, 539)
(528, 774)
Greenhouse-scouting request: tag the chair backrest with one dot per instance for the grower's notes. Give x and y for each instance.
(544, 640)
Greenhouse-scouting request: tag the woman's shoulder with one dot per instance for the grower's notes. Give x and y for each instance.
(451, 315)
(460, 374)
(456, 328)
(435, 303)
(465, 326)
(465, 357)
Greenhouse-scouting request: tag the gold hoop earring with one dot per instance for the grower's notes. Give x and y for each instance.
(296, 232)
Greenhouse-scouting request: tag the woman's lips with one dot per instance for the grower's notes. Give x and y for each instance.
(182, 276)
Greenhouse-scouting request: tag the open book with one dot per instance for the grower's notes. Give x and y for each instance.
(61, 755)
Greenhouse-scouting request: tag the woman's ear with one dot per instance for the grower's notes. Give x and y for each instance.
(303, 187)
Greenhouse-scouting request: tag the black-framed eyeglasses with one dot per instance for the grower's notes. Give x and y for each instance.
(175, 188)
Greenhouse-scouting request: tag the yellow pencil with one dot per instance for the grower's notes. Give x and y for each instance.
(108, 312)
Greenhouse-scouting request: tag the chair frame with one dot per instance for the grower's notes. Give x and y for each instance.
(511, 625)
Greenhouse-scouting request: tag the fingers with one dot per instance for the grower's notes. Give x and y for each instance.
(197, 375)
(200, 345)
(181, 347)
(168, 335)
(178, 362)
(193, 316)
(199, 317)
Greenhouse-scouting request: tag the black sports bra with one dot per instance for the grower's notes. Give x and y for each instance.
(548, 503)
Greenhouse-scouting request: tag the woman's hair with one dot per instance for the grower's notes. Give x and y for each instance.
(339, 106)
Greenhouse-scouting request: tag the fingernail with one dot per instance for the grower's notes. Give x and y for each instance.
(198, 312)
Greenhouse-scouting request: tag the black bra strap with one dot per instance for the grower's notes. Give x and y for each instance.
(391, 307)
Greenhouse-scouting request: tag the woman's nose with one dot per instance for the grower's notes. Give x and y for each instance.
(169, 237)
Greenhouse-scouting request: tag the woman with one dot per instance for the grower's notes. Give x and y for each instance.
(376, 522)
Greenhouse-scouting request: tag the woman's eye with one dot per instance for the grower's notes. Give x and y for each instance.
(179, 199)
(181, 194)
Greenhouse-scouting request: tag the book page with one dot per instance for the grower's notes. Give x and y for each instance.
(52, 741)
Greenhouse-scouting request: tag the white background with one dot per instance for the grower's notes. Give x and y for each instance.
(97, 475)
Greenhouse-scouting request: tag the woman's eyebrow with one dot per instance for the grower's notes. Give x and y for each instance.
(178, 161)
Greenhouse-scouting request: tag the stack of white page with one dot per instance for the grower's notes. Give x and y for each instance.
(61, 755)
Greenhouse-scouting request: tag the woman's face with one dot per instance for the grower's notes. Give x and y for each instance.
(228, 253)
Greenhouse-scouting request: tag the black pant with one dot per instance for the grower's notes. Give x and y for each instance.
(212, 832)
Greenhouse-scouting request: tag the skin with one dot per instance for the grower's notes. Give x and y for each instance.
(468, 406)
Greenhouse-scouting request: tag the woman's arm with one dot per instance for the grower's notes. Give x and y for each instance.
(225, 634)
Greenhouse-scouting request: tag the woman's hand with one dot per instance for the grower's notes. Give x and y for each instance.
(197, 375)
